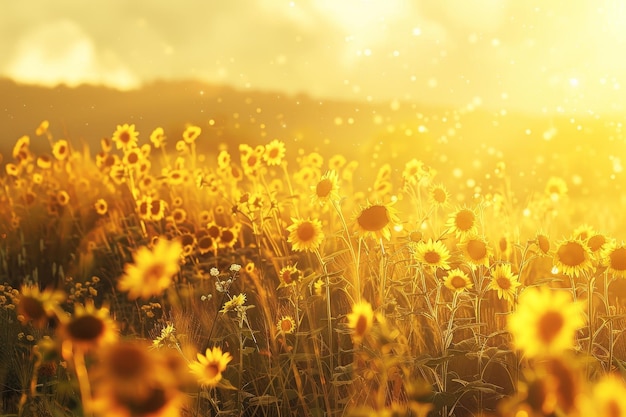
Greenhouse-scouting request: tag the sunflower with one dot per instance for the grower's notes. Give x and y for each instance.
(376, 220)
(209, 367)
(191, 133)
(88, 329)
(457, 281)
(61, 149)
(20, 145)
(598, 244)
(274, 152)
(157, 137)
(327, 188)
(545, 322)
(336, 162)
(360, 320)
(543, 243)
(305, 235)
(608, 398)
(44, 161)
(504, 282)
(476, 251)
(463, 222)
(152, 270)
(289, 275)
(434, 254)
(615, 259)
(583, 232)
(286, 325)
(132, 157)
(556, 188)
(36, 306)
(438, 195)
(573, 257)
(234, 303)
(125, 136)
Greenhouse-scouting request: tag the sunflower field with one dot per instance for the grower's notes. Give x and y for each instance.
(147, 277)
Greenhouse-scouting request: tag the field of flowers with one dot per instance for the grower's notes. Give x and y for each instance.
(146, 278)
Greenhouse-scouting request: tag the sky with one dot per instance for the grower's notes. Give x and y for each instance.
(534, 55)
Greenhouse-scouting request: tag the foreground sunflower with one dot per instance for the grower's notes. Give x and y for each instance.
(88, 329)
(376, 220)
(152, 270)
(432, 253)
(209, 367)
(305, 235)
(504, 282)
(573, 257)
(360, 320)
(545, 322)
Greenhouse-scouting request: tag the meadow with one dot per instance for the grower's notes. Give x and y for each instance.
(160, 275)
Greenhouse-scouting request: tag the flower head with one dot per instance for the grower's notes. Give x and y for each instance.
(286, 325)
(209, 367)
(360, 320)
(573, 257)
(37, 306)
(434, 254)
(463, 222)
(125, 136)
(376, 220)
(457, 281)
(305, 235)
(504, 282)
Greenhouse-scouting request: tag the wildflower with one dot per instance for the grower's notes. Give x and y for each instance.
(38, 306)
(191, 133)
(434, 254)
(289, 275)
(44, 161)
(205, 244)
(305, 235)
(214, 272)
(223, 159)
(360, 319)
(318, 287)
(573, 257)
(376, 220)
(457, 280)
(234, 303)
(336, 162)
(463, 222)
(42, 129)
(179, 215)
(132, 157)
(88, 329)
(286, 325)
(327, 188)
(61, 150)
(274, 152)
(235, 267)
(209, 367)
(615, 259)
(152, 270)
(545, 322)
(168, 334)
(20, 145)
(125, 136)
(476, 251)
(504, 282)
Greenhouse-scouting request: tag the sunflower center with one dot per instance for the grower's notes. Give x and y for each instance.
(618, 259)
(543, 243)
(361, 325)
(374, 218)
(252, 160)
(324, 187)
(439, 195)
(211, 370)
(465, 220)
(612, 408)
(32, 308)
(549, 326)
(85, 328)
(155, 272)
(227, 236)
(457, 281)
(432, 257)
(273, 153)
(476, 249)
(596, 242)
(503, 283)
(285, 325)
(287, 277)
(571, 254)
(306, 232)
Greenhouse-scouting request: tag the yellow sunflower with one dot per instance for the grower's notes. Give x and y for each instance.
(289, 275)
(463, 222)
(545, 322)
(376, 220)
(438, 195)
(598, 244)
(476, 251)
(504, 282)
(434, 254)
(274, 152)
(209, 367)
(457, 280)
(88, 329)
(543, 243)
(191, 133)
(286, 325)
(573, 257)
(360, 320)
(234, 303)
(152, 270)
(615, 259)
(37, 306)
(556, 188)
(608, 397)
(157, 137)
(305, 235)
(61, 149)
(125, 136)
(327, 188)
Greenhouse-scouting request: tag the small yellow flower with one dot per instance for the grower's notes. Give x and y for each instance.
(157, 137)
(286, 325)
(432, 253)
(274, 152)
(457, 281)
(289, 275)
(305, 235)
(504, 282)
(191, 133)
(234, 303)
(209, 367)
(360, 320)
(125, 136)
